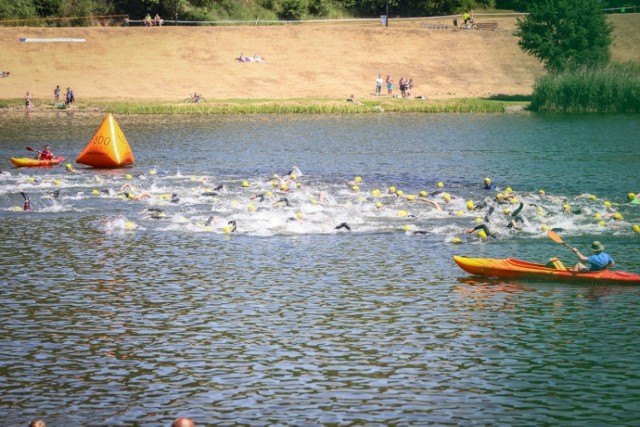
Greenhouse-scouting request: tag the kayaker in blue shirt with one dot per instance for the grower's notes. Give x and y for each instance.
(600, 260)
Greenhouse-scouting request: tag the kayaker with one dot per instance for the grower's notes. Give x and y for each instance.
(600, 260)
(45, 154)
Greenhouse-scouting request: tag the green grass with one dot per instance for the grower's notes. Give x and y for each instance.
(285, 106)
(614, 88)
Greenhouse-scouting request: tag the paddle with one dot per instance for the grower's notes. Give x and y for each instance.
(553, 236)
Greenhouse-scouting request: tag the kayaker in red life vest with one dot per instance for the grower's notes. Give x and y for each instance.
(45, 154)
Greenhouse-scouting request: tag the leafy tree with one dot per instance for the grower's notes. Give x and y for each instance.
(292, 10)
(565, 34)
(17, 9)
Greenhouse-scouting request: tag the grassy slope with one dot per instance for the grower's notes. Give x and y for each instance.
(303, 61)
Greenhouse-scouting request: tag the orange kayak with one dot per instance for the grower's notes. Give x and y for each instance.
(512, 268)
(21, 162)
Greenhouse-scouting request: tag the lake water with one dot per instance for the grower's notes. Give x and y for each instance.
(116, 311)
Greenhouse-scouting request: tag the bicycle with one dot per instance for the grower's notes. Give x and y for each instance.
(465, 26)
(195, 99)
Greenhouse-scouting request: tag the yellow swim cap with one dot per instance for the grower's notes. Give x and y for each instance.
(423, 193)
(251, 207)
(631, 196)
(293, 176)
(617, 216)
(592, 197)
(128, 176)
(482, 234)
(358, 179)
(268, 194)
(392, 189)
(440, 185)
(446, 197)
(275, 183)
(378, 205)
(403, 213)
(508, 190)
(456, 240)
(541, 192)
(566, 207)
(406, 227)
(299, 215)
(479, 219)
(470, 205)
(602, 223)
(411, 197)
(284, 187)
(376, 193)
(487, 180)
(636, 228)
(459, 212)
(607, 203)
(544, 227)
(399, 192)
(68, 166)
(598, 215)
(355, 188)
(95, 192)
(245, 184)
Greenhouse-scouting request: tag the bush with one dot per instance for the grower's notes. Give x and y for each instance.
(614, 88)
(293, 10)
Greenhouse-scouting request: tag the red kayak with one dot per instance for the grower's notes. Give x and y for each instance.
(512, 268)
(28, 162)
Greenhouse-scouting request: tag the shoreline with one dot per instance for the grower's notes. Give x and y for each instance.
(278, 106)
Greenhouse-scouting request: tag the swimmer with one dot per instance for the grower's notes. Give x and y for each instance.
(27, 203)
(174, 198)
(70, 168)
(285, 201)
(488, 185)
(343, 225)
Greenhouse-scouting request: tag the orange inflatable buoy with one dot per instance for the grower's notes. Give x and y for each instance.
(108, 148)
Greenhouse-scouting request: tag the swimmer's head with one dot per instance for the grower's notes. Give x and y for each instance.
(446, 197)
(423, 193)
(618, 216)
(482, 234)
(631, 196)
(245, 184)
(392, 189)
(358, 179)
(487, 180)
(68, 166)
(470, 205)
(636, 228)
(440, 185)
(541, 192)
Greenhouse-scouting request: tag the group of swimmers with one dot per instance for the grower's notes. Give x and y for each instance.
(288, 192)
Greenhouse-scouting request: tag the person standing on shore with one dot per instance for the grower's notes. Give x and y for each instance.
(28, 103)
(389, 82)
(378, 84)
(70, 97)
(56, 95)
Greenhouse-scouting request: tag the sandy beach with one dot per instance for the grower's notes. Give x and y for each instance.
(301, 61)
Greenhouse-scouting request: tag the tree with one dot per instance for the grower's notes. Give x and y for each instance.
(565, 34)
